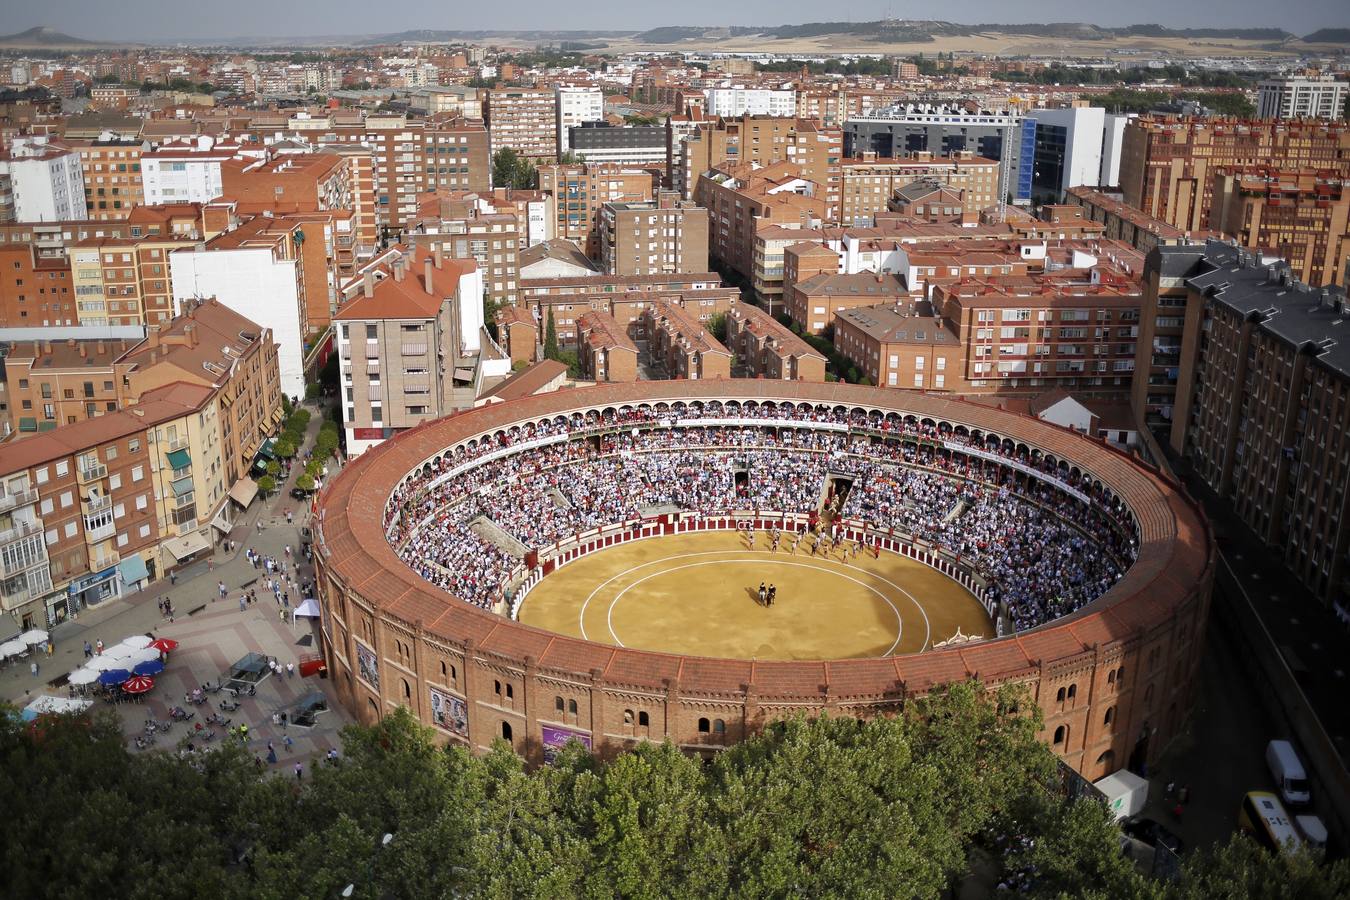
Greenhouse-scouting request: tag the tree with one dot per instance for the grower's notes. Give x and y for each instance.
(267, 484)
(511, 170)
(284, 448)
(273, 468)
(550, 337)
(717, 326)
(569, 158)
(305, 482)
(1241, 869)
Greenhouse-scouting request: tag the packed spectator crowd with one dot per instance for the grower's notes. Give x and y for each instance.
(464, 523)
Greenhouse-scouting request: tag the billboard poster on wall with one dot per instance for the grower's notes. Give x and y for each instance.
(449, 712)
(367, 667)
(556, 738)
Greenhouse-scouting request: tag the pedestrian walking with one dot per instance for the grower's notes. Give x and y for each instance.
(35, 668)
(99, 646)
(220, 586)
(51, 647)
(332, 756)
(243, 604)
(290, 670)
(282, 611)
(271, 754)
(276, 720)
(299, 772)
(290, 517)
(260, 526)
(287, 742)
(88, 651)
(283, 727)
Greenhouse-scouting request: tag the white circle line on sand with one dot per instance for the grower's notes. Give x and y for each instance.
(899, 621)
(759, 554)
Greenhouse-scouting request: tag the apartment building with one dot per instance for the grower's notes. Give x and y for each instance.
(40, 181)
(466, 225)
(742, 200)
(681, 347)
(303, 182)
(734, 102)
(815, 302)
(577, 191)
(763, 348)
(409, 346)
(35, 288)
(210, 345)
(518, 333)
(1299, 215)
(930, 200)
(1076, 145)
(1002, 135)
(1305, 96)
(576, 106)
(665, 235)
(869, 182)
(1027, 334)
(1123, 222)
(600, 143)
(124, 281)
(257, 269)
(112, 175)
(623, 297)
(524, 119)
(605, 352)
(762, 141)
(184, 171)
(83, 514)
(48, 384)
(1168, 165)
(901, 346)
(1263, 405)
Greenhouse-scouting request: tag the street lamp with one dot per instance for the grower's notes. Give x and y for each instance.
(351, 888)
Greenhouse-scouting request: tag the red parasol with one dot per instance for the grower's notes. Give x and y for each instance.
(138, 684)
(164, 645)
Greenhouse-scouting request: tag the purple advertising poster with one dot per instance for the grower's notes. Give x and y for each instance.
(556, 738)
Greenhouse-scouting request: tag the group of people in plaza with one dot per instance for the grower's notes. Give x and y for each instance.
(767, 595)
(1043, 551)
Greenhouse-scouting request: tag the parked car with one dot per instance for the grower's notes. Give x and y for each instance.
(1152, 832)
(300, 493)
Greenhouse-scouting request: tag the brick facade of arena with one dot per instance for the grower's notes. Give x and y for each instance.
(1114, 680)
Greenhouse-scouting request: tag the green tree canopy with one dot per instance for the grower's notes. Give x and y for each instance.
(831, 807)
(511, 170)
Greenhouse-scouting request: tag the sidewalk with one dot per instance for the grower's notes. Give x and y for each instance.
(213, 632)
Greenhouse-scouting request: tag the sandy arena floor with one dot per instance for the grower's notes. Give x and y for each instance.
(697, 594)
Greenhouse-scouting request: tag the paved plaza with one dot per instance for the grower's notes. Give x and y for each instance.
(212, 634)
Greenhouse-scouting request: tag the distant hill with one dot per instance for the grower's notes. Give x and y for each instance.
(43, 36)
(912, 30)
(1329, 36)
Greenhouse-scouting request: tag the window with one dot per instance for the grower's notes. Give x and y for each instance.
(1110, 716)
(643, 719)
(719, 727)
(704, 726)
(1061, 735)
(558, 704)
(1059, 695)
(572, 707)
(506, 732)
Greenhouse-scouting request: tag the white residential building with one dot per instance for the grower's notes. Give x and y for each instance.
(734, 102)
(1302, 96)
(575, 106)
(184, 173)
(254, 280)
(41, 181)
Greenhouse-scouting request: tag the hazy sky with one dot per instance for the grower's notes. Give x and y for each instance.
(159, 19)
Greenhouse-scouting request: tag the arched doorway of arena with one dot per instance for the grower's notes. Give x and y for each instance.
(1138, 763)
(506, 733)
(372, 711)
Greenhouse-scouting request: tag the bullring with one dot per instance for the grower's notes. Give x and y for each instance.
(1113, 678)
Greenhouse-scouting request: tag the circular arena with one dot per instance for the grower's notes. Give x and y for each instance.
(692, 560)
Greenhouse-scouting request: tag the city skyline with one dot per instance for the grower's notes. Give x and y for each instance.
(124, 22)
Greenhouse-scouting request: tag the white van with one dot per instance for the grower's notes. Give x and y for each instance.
(1287, 770)
(1313, 829)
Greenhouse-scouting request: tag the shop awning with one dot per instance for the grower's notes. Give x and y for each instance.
(220, 523)
(28, 423)
(187, 545)
(133, 570)
(309, 608)
(243, 492)
(46, 425)
(179, 459)
(265, 451)
(182, 486)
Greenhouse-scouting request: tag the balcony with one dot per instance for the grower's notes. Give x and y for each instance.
(95, 505)
(101, 532)
(104, 560)
(17, 498)
(20, 530)
(87, 474)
